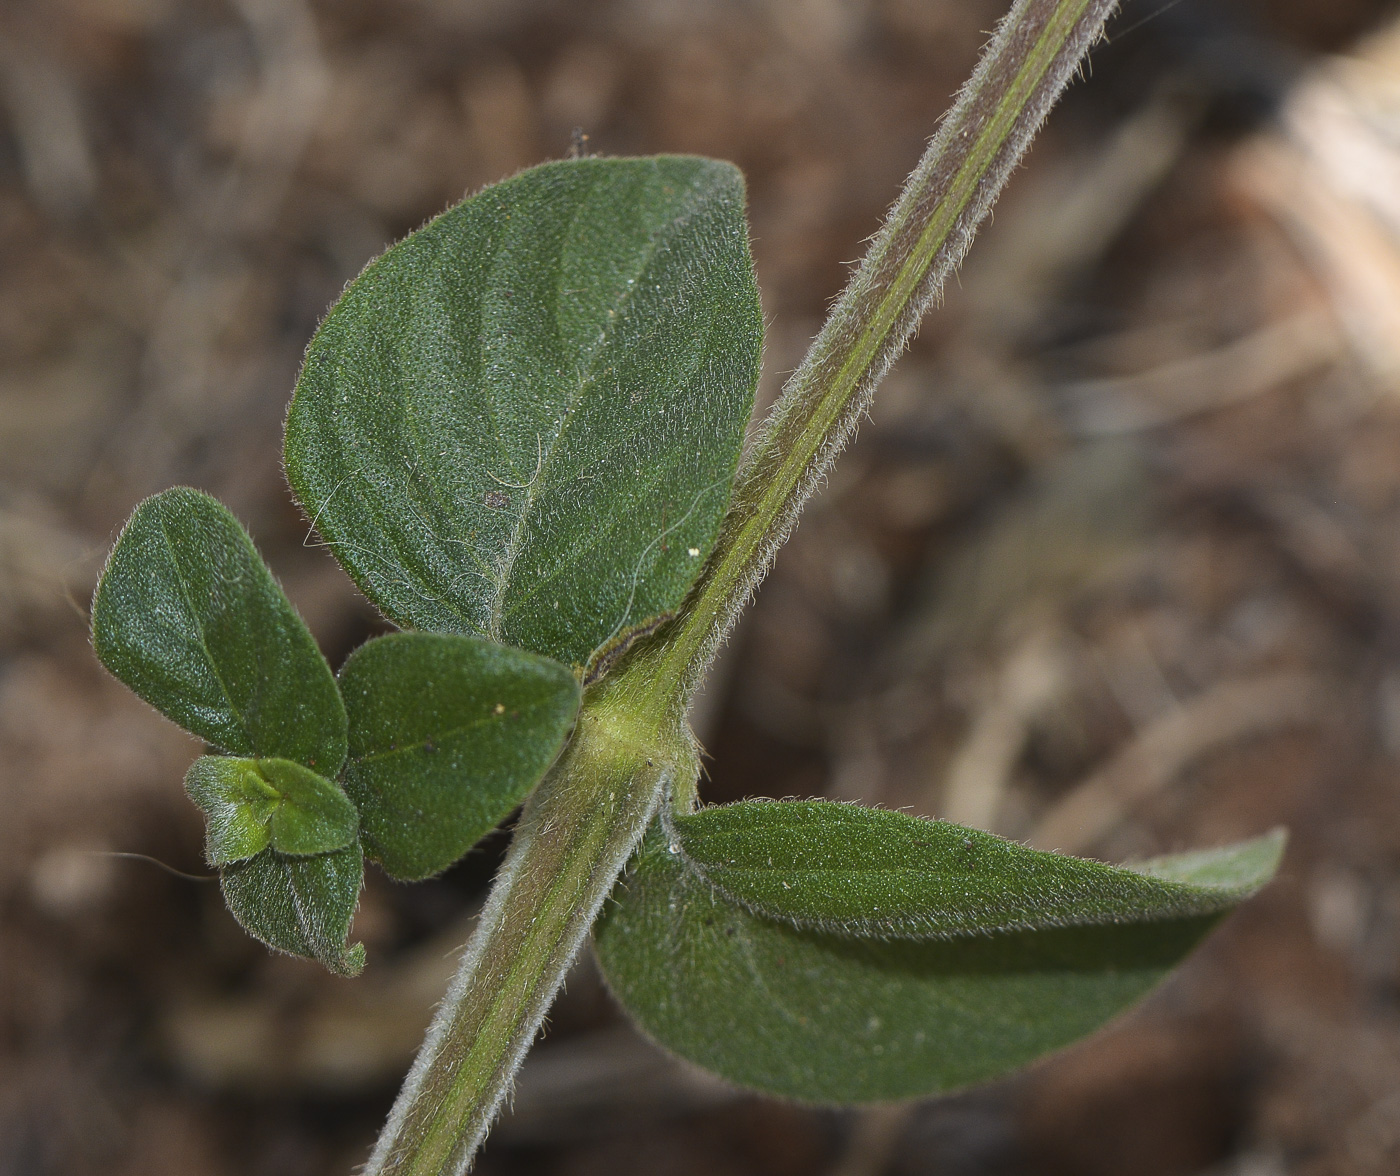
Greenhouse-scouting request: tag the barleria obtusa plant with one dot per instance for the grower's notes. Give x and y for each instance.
(520, 432)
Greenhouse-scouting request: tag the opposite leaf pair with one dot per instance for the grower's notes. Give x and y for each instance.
(425, 744)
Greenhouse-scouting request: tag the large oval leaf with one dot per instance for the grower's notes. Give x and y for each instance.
(523, 420)
(447, 735)
(844, 868)
(838, 1019)
(189, 617)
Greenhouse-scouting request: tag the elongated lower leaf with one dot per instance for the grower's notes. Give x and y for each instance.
(189, 617)
(447, 735)
(829, 1018)
(523, 420)
(871, 872)
(300, 905)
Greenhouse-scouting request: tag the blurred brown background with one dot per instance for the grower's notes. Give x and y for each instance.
(1114, 566)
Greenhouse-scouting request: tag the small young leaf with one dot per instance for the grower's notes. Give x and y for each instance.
(300, 905)
(871, 872)
(314, 815)
(189, 617)
(237, 804)
(829, 1018)
(447, 735)
(251, 804)
(522, 421)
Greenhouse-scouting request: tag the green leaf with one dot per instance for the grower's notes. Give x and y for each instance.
(315, 816)
(447, 735)
(251, 804)
(189, 617)
(522, 421)
(237, 803)
(829, 1018)
(300, 905)
(854, 870)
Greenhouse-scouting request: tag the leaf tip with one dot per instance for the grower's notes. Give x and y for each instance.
(1242, 868)
(350, 964)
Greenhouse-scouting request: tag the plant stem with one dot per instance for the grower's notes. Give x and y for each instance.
(574, 836)
(1029, 61)
(631, 745)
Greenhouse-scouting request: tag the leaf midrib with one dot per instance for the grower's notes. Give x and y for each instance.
(1202, 899)
(515, 543)
(199, 629)
(421, 744)
(1209, 903)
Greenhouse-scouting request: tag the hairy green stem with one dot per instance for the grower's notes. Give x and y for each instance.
(1035, 51)
(631, 745)
(573, 838)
